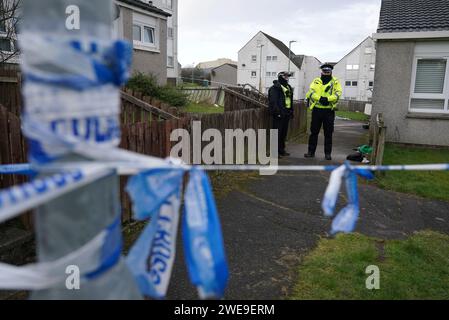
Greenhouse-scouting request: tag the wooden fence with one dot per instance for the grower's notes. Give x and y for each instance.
(147, 124)
(13, 150)
(10, 96)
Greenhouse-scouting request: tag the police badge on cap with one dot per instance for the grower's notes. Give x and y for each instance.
(327, 67)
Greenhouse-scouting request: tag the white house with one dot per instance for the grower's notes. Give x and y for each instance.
(264, 56)
(356, 71)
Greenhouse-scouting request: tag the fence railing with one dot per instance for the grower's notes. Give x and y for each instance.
(136, 108)
(352, 105)
(206, 95)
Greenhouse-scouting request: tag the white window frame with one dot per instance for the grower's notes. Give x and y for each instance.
(274, 58)
(168, 61)
(430, 96)
(355, 67)
(349, 67)
(268, 58)
(346, 83)
(146, 22)
(254, 58)
(252, 72)
(170, 33)
(268, 75)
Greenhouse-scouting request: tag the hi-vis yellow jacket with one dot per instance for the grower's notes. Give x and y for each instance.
(332, 91)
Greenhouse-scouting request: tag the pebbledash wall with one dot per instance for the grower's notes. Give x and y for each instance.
(395, 69)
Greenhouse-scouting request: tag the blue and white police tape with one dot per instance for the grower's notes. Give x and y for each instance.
(18, 199)
(346, 219)
(78, 100)
(95, 63)
(93, 259)
(203, 240)
(156, 194)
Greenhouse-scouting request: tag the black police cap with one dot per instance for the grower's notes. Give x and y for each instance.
(327, 66)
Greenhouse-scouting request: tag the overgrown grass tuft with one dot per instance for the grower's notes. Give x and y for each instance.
(416, 268)
(427, 184)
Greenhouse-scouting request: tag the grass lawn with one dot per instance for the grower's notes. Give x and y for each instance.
(416, 268)
(433, 185)
(203, 108)
(356, 116)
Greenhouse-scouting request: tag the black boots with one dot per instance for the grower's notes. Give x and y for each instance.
(312, 155)
(309, 155)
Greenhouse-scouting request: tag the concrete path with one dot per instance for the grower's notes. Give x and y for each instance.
(273, 222)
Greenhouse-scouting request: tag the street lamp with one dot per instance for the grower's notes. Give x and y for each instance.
(193, 72)
(290, 53)
(260, 69)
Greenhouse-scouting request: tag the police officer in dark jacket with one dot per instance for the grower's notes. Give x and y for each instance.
(280, 98)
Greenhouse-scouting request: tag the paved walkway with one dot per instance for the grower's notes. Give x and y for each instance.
(273, 222)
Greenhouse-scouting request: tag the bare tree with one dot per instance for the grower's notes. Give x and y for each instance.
(9, 20)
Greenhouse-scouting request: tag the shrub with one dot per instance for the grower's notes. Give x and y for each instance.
(148, 86)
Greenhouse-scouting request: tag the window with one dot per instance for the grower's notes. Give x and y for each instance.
(170, 33)
(268, 74)
(352, 67)
(170, 62)
(430, 93)
(137, 33)
(5, 45)
(145, 32)
(348, 83)
(254, 58)
(292, 75)
(372, 67)
(368, 50)
(355, 83)
(3, 26)
(274, 58)
(371, 84)
(148, 35)
(268, 58)
(253, 74)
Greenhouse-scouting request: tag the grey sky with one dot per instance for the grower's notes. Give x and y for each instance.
(326, 29)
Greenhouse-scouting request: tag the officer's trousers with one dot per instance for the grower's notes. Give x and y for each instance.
(322, 118)
(281, 124)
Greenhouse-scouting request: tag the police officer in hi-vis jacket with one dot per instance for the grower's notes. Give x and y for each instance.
(324, 94)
